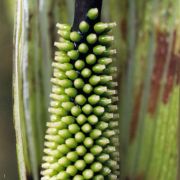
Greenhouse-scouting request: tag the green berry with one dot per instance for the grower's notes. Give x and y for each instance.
(80, 164)
(102, 141)
(89, 158)
(87, 109)
(81, 150)
(98, 110)
(63, 148)
(64, 133)
(84, 27)
(71, 92)
(79, 64)
(99, 50)
(94, 80)
(67, 105)
(102, 125)
(71, 170)
(64, 161)
(96, 166)
(96, 149)
(105, 61)
(73, 128)
(64, 34)
(99, 68)
(86, 128)
(93, 99)
(71, 74)
(57, 90)
(87, 88)
(81, 119)
(88, 142)
(80, 99)
(83, 48)
(102, 27)
(63, 26)
(79, 137)
(63, 175)
(64, 46)
(106, 171)
(71, 142)
(79, 83)
(76, 110)
(98, 177)
(75, 36)
(91, 38)
(88, 174)
(67, 119)
(105, 39)
(92, 13)
(86, 72)
(95, 133)
(92, 119)
(103, 157)
(73, 54)
(78, 177)
(91, 59)
(100, 90)
(105, 101)
(72, 156)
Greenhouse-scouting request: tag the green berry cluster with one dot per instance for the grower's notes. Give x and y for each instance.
(81, 137)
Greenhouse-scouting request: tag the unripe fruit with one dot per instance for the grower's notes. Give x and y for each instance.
(82, 135)
(80, 164)
(81, 150)
(88, 174)
(73, 54)
(96, 166)
(89, 158)
(83, 48)
(72, 156)
(84, 27)
(62, 175)
(80, 99)
(76, 110)
(79, 137)
(71, 170)
(75, 36)
(99, 49)
(87, 88)
(92, 13)
(86, 72)
(87, 109)
(91, 38)
(91, 59)
(71, 142)
(79, 64)
(79, 83)
(81, 119)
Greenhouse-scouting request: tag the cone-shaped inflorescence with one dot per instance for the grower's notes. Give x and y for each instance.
(81, 137)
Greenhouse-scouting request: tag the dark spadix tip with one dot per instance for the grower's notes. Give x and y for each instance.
(81, 9)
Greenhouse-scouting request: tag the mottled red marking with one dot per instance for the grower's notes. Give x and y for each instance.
(135, 116)
(172, 72)
(160, 60)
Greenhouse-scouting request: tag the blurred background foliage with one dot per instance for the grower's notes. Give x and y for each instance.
(147, 39)
(8, 164)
